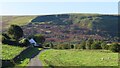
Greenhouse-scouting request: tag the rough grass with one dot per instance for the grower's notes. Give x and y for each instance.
(18, 20)
(9, 52)
(79, 58)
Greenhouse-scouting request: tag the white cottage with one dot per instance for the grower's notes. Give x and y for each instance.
(32, 41)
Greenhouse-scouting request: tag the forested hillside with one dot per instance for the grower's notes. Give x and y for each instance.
(102, 24)
(91, 21)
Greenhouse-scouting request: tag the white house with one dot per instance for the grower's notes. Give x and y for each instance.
(32, 41)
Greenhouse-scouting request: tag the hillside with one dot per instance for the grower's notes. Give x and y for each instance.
(68, 27)
(102, 24)
(91, 21)
(19, 20)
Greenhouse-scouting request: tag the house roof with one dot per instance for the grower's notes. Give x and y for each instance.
(32, 41)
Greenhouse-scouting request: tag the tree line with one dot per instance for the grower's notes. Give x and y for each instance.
(89, 44)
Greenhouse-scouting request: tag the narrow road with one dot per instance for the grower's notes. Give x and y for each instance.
(35, 62)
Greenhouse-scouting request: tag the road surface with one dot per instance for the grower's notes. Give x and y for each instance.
(35, 62)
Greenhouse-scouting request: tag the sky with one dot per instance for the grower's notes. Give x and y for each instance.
(44, 8)
(59, 1)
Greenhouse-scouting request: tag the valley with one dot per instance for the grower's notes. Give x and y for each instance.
(75, 27)
(63, 40)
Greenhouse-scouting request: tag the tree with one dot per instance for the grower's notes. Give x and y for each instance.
(96, 45)
(104, 45)
(5, 38)
(115, 47)
(38, 38)
(5, 35)
(88, 43)
(82, 45)
(51, 45)
(72, 46)
(15, 32)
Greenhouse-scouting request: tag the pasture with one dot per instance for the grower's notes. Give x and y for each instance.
(25, 54)
(9, 52)
(76, 57)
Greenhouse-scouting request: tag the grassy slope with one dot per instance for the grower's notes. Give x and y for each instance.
(79, 58)
(9, 52)
(19, 20)
(6, 22)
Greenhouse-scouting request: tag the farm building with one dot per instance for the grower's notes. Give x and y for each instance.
(32, 41)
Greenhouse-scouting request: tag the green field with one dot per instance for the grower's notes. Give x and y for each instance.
(9, 52)
(54, 57)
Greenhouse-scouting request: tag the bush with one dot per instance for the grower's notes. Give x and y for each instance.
(88, 44)
(6, 35)
(24, 42)
(46, 45)
(62, 46)
(78, 46)
(115, 47)
(107, 47)
(104, 45)
(82, 45)
(54, 47)
(96, 45)
(66, 46)
(7, 40)
(72, 46)
(51, 45)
